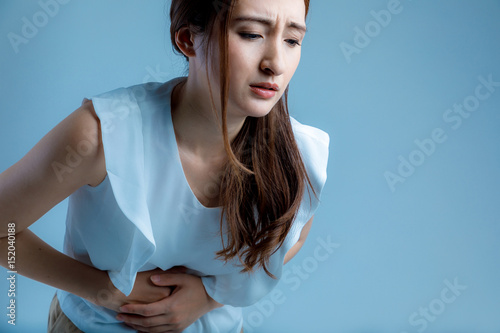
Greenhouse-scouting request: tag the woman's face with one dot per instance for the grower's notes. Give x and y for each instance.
(264, 46)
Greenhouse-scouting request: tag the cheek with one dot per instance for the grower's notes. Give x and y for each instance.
(238, 60)
(241, 55)
(293, 64)
(233, 48)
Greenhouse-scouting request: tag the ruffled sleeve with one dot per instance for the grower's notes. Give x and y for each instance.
(244, 289)
(121, 127)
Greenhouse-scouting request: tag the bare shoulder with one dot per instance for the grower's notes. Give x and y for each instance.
(81, 131)
(84, 124)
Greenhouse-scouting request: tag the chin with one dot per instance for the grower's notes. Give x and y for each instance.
(256, 109)
(259, 112)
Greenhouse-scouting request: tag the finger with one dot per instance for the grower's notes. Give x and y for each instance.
(168, 279)
(149, 322)
(146, 310)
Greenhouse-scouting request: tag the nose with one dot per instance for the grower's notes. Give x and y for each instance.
(273, 61)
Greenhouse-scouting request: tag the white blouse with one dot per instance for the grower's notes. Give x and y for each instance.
(144, 214)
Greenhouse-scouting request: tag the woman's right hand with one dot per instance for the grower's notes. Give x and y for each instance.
(144, 292)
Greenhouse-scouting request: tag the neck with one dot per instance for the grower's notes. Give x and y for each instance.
(197, 129)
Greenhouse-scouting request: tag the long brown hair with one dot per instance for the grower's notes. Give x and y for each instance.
(263, 182)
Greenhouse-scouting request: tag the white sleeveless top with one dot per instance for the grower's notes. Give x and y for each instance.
(144, 214)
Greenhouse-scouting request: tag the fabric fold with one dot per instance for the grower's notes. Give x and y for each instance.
(313, 145)
(121, 127)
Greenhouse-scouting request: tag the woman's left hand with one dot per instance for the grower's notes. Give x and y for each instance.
(187, 302)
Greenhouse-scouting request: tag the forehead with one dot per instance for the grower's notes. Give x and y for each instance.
(275, 10)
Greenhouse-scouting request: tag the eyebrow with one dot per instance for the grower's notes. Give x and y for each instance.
(268, 22)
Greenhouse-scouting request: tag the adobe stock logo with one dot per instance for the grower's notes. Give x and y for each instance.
(454, 117)
(292, 278)
(30, 28)
(428, 314)
(372, 29)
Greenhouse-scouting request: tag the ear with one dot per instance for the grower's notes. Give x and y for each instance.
(185, 41)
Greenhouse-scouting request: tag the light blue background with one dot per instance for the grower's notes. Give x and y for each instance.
(394, 249)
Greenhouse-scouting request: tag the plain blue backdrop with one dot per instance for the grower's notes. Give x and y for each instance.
(407, 238)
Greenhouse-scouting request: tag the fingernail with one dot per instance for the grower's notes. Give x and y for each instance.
(155, 278)
(119, 317)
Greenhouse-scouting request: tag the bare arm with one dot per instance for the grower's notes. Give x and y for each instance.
(296, 248)
(68, 157)
(37, 260)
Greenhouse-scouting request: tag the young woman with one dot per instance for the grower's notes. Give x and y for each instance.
(186, 198)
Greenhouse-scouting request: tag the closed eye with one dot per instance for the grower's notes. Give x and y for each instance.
(249, 36)
(293, 42)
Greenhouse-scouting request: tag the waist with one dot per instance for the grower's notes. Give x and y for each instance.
(89, 317)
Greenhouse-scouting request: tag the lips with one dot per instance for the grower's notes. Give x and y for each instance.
(266, 85)
(264, 92)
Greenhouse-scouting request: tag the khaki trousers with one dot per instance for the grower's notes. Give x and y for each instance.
(58, 322)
